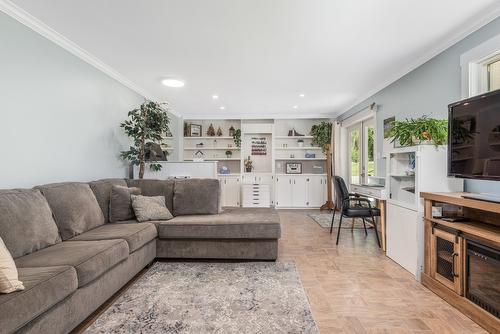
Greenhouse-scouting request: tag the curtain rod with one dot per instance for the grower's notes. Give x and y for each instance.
(371, 106)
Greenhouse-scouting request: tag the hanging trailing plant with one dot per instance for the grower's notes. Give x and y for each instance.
(147, 123)
(416, 131)
(237, 138)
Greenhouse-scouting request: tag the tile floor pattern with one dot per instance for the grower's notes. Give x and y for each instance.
(355, 288)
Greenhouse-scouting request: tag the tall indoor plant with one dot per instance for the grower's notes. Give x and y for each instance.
(148, 122)
(322, 136)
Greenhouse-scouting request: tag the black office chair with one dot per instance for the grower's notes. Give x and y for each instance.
(344, 199)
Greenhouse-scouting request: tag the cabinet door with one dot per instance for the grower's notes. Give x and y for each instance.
(446, 259)
(283, 191)
(315, 191)
(231, 191)
(299, 191)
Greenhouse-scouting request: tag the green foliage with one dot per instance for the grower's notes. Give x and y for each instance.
(415, 131)
(322, 134)
(237, 138)
(371, 143)
(148, 122)
(355, 146)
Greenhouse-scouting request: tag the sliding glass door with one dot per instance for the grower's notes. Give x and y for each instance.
(361, 151)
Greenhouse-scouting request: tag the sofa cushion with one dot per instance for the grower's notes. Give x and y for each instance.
(147, 208)
(26, 222)
(9, 279)
(196, 197)
(120, 204)
(136, 234)
(233, 223)
(45, 287)
(156, 188)
(102, 192)
(90, 258)
(74, 206)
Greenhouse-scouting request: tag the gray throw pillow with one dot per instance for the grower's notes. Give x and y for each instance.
(120, 204)
(148, 208)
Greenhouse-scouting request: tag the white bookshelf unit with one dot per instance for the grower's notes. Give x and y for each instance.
(270, 146)
(411, 170)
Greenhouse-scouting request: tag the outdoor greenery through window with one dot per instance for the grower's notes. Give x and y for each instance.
(362, 151)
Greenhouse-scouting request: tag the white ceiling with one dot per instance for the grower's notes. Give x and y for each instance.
(259, 55)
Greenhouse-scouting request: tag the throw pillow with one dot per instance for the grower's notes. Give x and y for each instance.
(120, 204)
(148, 208)
(9, 281)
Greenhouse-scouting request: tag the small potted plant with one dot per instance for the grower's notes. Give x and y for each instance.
(229, 154)
(420, 131)
(300, 142)
(248, 165)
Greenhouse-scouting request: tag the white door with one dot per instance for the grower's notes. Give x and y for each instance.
(283, 191)
(401, 236)
(299, 191)
(315, 191)
(231, 191)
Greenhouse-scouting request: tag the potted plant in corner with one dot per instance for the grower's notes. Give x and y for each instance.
(147, 123)
(322, 136)
(419, 131)
(229, 154)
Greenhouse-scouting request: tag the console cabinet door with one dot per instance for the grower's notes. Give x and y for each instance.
(315, 191)
(230, 191)
(299, 191)
(283, 191)
(446, 259)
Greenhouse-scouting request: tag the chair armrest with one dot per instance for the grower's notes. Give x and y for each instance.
(362, 199)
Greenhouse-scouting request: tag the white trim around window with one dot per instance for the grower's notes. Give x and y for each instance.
(474, 71)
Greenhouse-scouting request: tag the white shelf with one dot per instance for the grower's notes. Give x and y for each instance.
(217, 159)
(294, 137)
(229, 175)
(214, 137)
(299, 148)
(403, 176)
(303, 174)
(212, 148)
(285, 159)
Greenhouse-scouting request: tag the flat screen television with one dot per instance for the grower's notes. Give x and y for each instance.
(474, 137)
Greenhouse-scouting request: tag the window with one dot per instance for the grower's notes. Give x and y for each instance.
(361, 149)
(493, 69)
(481, 68)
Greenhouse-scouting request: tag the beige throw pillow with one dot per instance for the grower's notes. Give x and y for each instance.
(148, 208)
(9, 280)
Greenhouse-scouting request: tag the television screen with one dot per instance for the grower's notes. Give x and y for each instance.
(474, 137)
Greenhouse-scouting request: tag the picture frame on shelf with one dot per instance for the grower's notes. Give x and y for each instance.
(293, 168)
(194, 130)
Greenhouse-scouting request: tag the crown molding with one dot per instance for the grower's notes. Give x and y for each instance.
(41, 28)
(257, 116)
(474, 24)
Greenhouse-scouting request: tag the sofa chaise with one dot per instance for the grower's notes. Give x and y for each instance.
(71, 258)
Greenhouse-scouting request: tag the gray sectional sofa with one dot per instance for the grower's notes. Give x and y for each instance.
(71, 259)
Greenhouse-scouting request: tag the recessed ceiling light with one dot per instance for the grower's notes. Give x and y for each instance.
(295, 107)
(222, 108)
(302, 95)
(215, 97)
(173, 83)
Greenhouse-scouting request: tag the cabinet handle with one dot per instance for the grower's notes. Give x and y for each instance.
(293, 181)
(453, 265)
(290, 181)
(320, 181)
(307, 179)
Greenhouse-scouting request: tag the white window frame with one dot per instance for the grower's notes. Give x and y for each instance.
(474, 66)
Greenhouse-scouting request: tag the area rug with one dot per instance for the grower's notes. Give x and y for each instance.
(325, 220)
(248, 297)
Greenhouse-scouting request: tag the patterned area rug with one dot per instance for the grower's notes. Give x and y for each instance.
(325, 219)
(248, 297)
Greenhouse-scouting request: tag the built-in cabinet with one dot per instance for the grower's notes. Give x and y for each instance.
(272, 146)
(300, 191)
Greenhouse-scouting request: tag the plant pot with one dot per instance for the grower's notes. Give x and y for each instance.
(248, 170)
(228, 156)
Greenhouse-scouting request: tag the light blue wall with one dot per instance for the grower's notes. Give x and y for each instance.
(429, 89)
(59, 116)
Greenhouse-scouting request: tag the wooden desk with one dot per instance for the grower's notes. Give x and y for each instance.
(379, 194)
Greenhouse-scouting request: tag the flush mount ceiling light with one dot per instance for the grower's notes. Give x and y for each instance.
(222, 108)
(215, 97)
(175, 83)
(302, 95)
(295, 107)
